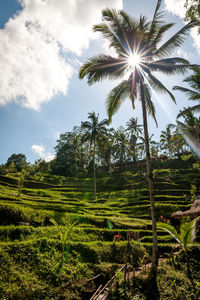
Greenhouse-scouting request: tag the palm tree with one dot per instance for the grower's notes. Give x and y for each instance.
(92, 132)
(138, 50)
(185, 237)
(191, 123)
(121, 146)
(133, 127)
(135, 130)
(141, 145)
(193, 93)
(106, 148)
(166, 140)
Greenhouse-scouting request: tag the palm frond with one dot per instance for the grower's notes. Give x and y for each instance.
(159, 34)
(112, 37)
(157, 85)
(192, 109)
(193, 95)
(170, 229)
(171, 60)
(170, 68)
(102, 66)
(187, 233)
(156, 22)
(103, 123)
(175, 41)
(116, 96)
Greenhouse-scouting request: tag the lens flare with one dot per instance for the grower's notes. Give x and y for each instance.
(134, 60)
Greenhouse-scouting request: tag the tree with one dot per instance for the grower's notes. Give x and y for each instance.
(133, 127)
(166, 140)
(135, 130)
(106, 148)
(93, 132)
(185, 238)
(192, 93)
(138, 50)
(19, 160)
(121, 146)
(70, 154)
(193, 10)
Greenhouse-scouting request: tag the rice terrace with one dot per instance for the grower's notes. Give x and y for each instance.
(100, 151)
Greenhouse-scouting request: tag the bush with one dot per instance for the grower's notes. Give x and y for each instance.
(10, 215)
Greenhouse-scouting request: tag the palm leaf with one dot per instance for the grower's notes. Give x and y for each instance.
(192, 109)
(170, 229)
(156, 22)
(101, 67)
(116, 96)
(175, 41)
(193, 95)
(170, 68)
(157, 85)
(187, 233)
(159, 34)
(111, 36)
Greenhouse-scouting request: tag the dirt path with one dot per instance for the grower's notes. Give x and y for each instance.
(101, 292)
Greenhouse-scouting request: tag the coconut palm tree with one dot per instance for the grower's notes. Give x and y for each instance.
(134, 130)
(192, 93)
(138, 55)
(133, 127)
(166, 140)
(121, 146)
(92, 132)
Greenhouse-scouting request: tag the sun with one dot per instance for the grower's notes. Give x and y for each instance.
(134, 60)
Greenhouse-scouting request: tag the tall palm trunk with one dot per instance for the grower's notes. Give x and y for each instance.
(153, 271)
(94, 171)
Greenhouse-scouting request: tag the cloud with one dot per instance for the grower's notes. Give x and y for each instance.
(177, 8)
(32, 43)
(182, 53)
(41, 152)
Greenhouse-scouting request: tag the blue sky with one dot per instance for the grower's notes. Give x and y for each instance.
(43, 44)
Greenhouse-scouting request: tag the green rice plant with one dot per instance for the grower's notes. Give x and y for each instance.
(64, 238)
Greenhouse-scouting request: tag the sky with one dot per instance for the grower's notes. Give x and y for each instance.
(42, 46)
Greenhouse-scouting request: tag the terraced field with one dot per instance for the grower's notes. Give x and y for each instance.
(29, 243)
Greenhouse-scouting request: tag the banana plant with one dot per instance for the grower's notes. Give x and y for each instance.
(64, 238)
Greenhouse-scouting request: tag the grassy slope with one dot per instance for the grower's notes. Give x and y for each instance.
(29, 244)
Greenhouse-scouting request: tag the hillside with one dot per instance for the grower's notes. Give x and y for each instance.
(30, 245)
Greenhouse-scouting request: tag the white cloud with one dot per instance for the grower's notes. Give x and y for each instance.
(41, 152)
(32, 69)
(178, 9)
(196, 38)
(182, 53)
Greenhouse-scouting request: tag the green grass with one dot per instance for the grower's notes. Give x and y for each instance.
(29, 244)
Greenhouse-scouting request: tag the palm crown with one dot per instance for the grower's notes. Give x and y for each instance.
(139, 40)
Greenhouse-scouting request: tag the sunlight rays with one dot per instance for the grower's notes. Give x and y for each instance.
(134, 60)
